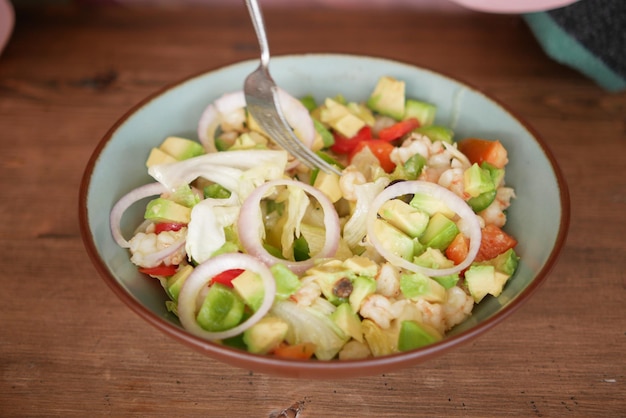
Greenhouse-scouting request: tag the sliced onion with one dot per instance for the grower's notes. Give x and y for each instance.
(294, 111)
(154, 259)
(115, 218)
(199, 279)
(455, 203)
(250, 225)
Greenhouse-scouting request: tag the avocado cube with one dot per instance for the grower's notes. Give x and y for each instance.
(403, 216)
(482, 280)
(165, 210)
(175, 283)
(388, 97)
(440, 232)
(430, 205)
(249, 286)
(181, 148)
(420, 286)
(477, 181)
(394, 240)
(362, 287)
(287, 282)
(437, 133)
(222, 309)
(348, 321)
(422, 111)
(158, 156)
(414, 335)
(265, 335)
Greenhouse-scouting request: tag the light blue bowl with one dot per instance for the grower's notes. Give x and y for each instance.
(538, 217)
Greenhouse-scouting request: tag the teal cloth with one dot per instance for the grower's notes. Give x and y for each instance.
(569, 42)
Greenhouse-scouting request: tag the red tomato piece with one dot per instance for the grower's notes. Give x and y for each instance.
(458, 249)
(398, 130)
(479, 150)
(382, 151)
(345, 145)
(494, 242)
(301, 351)
(167, 226)
(226, 277)
(161, 270)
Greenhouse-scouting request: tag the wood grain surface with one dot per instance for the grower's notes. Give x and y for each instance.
(69, 347)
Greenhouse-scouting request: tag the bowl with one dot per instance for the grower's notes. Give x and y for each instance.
(538, 217)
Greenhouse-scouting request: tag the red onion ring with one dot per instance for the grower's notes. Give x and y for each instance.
(295, 113)
(154, 259)
(202, 275)
(115, 218)
(453, 201)
(250, 224)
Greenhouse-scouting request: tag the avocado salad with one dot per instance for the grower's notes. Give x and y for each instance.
(257, 251)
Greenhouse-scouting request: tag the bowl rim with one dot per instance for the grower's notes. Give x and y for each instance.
(307, 368)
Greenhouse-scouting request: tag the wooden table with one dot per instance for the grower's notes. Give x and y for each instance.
(69, 347)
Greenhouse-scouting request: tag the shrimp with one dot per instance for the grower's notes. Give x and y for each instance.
(378, 309)
(432, 314)
(350, 177)
(308, 292)
(494, 213)
(388, 281)
(144, 246)
(452, 179)
(416, 144)
(457, 307)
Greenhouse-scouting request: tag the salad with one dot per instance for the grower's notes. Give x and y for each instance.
(257, 251)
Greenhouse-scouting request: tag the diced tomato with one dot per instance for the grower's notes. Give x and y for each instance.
(301, 351)
(382, 151)
(458, 249)
(161, 270)
(479, 150)
(167, 226)
(398, 130)
(226, 277)
(345, 145)
(494, 242)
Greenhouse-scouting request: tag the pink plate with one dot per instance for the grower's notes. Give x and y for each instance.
(513, 6)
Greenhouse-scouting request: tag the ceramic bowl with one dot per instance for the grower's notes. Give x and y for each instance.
(538, 217)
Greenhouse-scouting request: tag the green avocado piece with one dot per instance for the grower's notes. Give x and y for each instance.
(477, 181)
(482, 201)
(222, 309)
(430, 205)
(497, 174)
(405, 217)
(348, 321)
(175, 283)
(413, 335)
(388, 97)
(340, 118)
(327, 138)
(422, 111)
(165, 210)
(287, 282)
(433, 258)
(505, 263)
(440, 232)
(436, 133)
(181, 148)
(249, 286)
(420, 286)
(362, 287)
(265, 335)
(482, 280)
(394, 240)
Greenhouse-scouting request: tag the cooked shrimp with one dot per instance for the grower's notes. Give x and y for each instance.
(378, 309)
(494, 213)
(308, 292)
(388, 281)
(457, 307)
(143, 246)
(415, 144)
(452, 179)
(432, 314)
(350, 177)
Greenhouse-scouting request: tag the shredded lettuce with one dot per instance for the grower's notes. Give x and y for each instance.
(297, 203)
(309, 325)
